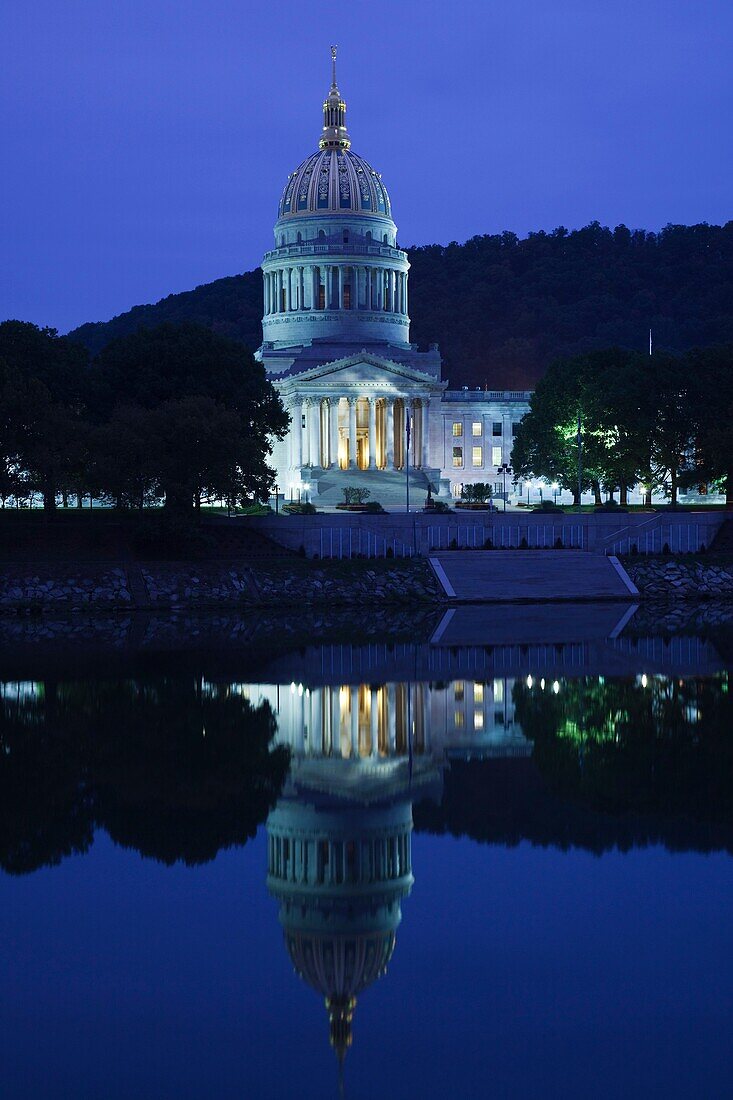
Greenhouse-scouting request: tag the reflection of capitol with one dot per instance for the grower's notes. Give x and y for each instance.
(339, 857)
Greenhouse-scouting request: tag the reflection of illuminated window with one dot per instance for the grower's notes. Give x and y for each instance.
(478, 693)
(498, 691)
(458, 719)
(458, 691)
(478, 720)
(498, 717)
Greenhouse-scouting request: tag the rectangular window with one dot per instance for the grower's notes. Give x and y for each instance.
(498, 487)
(496, 459)
(457, 428)
(458, 456)
(477, 428)
(496, 427)
(478, 720)
(478, 693)
(498, 691)
(515, 425)
(477, 456)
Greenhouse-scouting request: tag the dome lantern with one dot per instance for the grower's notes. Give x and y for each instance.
(335, 134)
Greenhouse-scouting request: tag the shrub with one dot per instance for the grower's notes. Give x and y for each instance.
(547, 506)
(354, 495)
(373, 507)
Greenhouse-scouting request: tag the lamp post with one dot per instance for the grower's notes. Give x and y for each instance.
(505, 469)
(408, 432)
(555, 487)
(276, 487)
(580, 462)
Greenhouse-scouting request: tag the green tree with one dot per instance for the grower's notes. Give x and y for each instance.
(673, 428)
(212, 410)
(710, 374)
(43, 378)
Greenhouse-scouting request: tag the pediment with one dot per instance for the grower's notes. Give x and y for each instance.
(365, 369)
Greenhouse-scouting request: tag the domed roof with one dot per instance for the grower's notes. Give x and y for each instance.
(334, 181)
(340, 965)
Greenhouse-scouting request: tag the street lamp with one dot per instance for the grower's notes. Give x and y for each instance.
(555, 487)
(276, 487)
(505, 469)
(408, 432)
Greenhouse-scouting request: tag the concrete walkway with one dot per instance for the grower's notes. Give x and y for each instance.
(492, 576)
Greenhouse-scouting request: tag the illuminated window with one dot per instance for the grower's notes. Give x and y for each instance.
(496, 456)
(458, 691)
(458, 719)
(478, 693)
(478, 720)
(458, 456)
(496, 427)
(498, 691)
(457, 428)
(477, 427)
(477, 456)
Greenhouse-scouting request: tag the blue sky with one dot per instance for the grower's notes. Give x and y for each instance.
(146, 143)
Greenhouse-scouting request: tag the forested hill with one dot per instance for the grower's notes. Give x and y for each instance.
(502, 308)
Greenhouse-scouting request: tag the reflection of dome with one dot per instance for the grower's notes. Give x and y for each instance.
(340, 874)
(334, 181)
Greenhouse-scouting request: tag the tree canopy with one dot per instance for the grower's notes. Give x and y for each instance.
(661, 420)
(171, 413)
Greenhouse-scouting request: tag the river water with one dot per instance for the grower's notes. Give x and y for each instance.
(483, 855)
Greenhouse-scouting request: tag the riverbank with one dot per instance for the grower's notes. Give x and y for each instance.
(42, 587)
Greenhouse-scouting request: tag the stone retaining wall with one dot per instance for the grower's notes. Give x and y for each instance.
(205, 584)
(675, 578)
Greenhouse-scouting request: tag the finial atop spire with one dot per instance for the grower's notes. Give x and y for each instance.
(335, 135)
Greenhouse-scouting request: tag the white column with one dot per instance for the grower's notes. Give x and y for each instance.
(333, 417)
(315, 431)
(305, 410)
(335, 721)
(372, 432)
(369, 288)
(296, 435)
(406, 306)
(425, 432)
(352, 432)
(391, 718)
(301, 288)
(374, 722)
(315, 733)
(341, 287)
(266, 294)
(354, 696)
(389, 435)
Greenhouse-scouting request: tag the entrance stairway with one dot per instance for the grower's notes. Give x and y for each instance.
(385, 486)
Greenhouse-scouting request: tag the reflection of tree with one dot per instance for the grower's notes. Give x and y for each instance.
(661, 746)
(165, 768)
(615, 764)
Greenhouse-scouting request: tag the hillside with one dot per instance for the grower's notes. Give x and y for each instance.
(501, 308)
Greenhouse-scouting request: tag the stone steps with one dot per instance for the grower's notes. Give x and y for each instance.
(384, 486)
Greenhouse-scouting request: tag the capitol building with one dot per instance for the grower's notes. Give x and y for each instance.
(368, 409)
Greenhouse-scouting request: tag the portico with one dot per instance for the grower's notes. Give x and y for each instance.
(350, 416)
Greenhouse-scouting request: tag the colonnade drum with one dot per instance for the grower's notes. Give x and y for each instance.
(334, 287)
(325, 861)
(366, 433)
